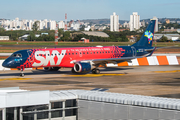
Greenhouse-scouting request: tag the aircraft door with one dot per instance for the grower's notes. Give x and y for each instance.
(133, 51)
(31, 57)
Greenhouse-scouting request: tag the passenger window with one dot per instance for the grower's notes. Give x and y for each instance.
(76, 53)
(100, 52)
(97, 52)
(83, 52)
(62, 54)
(108, 52)
(66, 54)
(91, 52)
(69, 53)
(94, 52)
(72, 53)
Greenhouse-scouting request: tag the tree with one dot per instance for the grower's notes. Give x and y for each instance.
(35, 26)
(163, 39)
(66, 36)
(82, 28)
(31, 37)
(60, 32)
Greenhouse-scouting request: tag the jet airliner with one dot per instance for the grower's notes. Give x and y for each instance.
(82, 59)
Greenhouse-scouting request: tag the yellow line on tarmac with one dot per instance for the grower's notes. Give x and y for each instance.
(95, 75)
(172, 71)
(3, 79)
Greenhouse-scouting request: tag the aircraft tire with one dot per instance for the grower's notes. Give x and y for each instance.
(47, 68)
(21, 75)
(55, 68)
(95, 71)
(51, 68)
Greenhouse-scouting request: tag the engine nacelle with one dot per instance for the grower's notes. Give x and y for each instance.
(82, 67)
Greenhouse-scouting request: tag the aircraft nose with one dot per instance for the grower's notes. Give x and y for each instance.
(4, 64)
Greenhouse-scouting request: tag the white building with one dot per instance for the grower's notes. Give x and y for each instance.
(51, 25)
(114, 22)
(29, 25)
(126, 25)
(156, 26)
(134, 21)
(87, 28)
(4, 37)
(61, 25)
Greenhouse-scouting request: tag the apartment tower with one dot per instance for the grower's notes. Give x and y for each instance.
(114, 22)
(134, 21)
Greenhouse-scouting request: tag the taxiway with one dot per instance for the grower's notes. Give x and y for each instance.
(161, 81)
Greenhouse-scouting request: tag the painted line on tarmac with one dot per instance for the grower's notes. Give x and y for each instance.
(95, 75)
(172, 71)
(3, 79)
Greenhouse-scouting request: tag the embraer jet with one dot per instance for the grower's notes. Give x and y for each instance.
(82, 59)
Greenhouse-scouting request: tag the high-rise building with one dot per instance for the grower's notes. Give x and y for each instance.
(156, 26)
(114, 22)
(134, 21)
(61, 24)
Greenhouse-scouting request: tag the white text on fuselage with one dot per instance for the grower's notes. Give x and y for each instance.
(88, 49)
(49, 58)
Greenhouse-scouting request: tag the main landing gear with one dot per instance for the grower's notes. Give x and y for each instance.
(95, 71)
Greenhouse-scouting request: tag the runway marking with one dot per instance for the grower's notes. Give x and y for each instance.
(172, 71)
(3, 79)
(95, 75)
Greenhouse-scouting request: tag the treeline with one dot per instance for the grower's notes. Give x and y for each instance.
(113, 36)
(169, 26)
(65, 36)
(15, 34)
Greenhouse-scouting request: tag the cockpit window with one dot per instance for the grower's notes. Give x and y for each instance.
(16, 55)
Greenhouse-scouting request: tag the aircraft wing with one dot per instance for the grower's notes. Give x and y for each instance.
(108, 60)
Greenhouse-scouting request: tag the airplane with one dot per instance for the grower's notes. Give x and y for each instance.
(82, 59)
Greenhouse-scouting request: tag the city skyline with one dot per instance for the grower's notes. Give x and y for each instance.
(87, 9)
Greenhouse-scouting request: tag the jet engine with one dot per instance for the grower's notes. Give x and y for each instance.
(81, 67)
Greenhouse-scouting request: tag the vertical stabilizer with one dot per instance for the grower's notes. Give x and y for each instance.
(148, 36)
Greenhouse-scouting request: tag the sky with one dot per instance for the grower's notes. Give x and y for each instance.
(88, 9)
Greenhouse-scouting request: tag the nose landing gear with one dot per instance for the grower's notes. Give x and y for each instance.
(22, 73)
